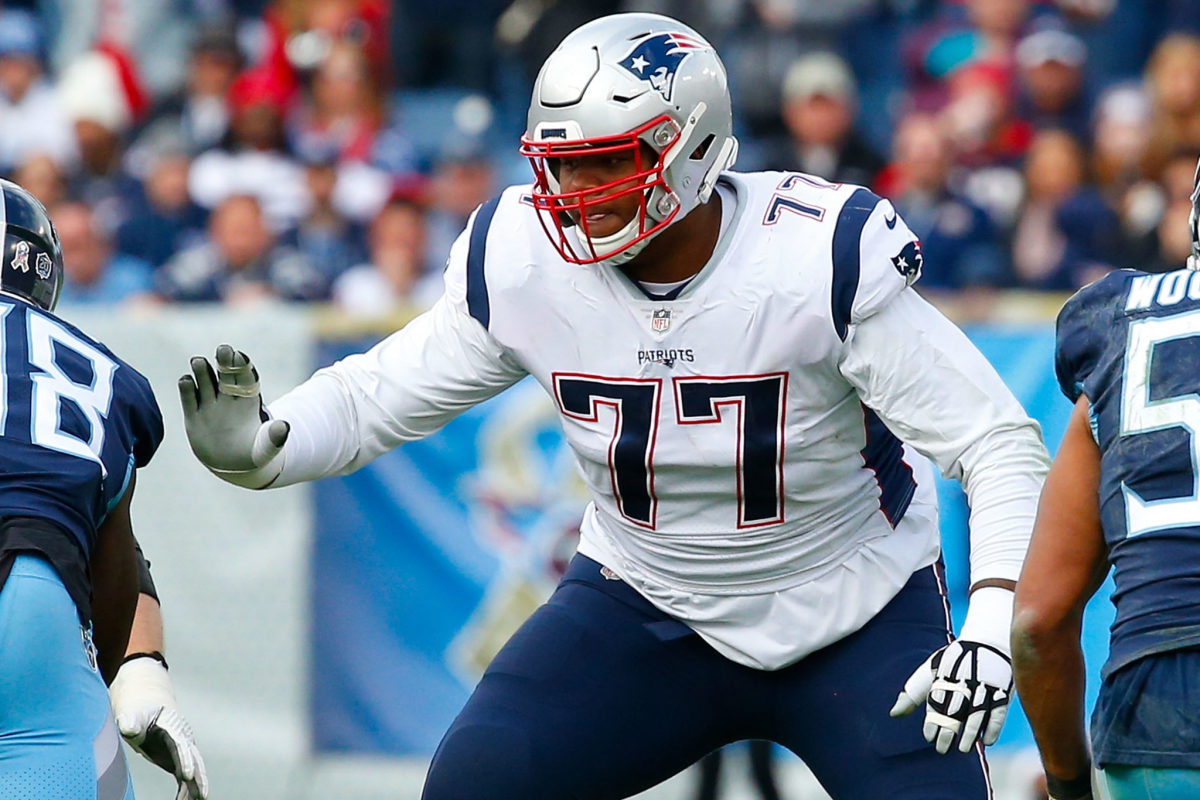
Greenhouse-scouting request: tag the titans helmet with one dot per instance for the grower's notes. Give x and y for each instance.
(639, 84)
(31, 262)
(1194, 221)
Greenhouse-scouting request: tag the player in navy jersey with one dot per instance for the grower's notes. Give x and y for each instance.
(754, 394)
(76, 422)
(1122, 493)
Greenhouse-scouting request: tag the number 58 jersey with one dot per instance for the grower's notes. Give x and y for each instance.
(75, 421)
(732, 435)
(1130, 342)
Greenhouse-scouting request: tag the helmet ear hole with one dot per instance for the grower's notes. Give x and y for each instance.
(700, 152)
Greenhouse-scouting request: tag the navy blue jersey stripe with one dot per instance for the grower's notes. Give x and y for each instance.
(846, 254)
(884, 455)
(477, 296)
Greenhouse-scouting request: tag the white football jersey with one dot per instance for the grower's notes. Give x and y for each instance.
(740, 441)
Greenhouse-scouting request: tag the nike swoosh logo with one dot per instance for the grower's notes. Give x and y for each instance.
(890, 221)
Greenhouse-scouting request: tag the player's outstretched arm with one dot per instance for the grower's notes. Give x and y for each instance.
(227, 425)
(1067, 562)
(938, 393)
(143, 702)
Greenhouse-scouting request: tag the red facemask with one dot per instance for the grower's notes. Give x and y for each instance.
(558, 211)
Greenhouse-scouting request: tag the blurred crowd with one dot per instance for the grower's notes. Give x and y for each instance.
(248, 151)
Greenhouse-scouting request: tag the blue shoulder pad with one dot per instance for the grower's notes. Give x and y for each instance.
(1084, 324)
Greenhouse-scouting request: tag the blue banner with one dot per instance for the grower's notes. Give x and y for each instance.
(426, 560)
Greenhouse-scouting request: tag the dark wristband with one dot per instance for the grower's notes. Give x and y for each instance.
(1074, 789)
(154, 654)
(145, 579)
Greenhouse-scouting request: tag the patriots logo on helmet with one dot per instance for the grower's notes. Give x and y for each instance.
(656, 59)
(908, 262)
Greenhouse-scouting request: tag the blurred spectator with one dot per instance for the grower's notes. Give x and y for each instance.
(396, 275)
(1121, 140)
(959, 243)
(165, 220)
(819, 105)
(1173, 79)
(1172, 247)
(239, 263)
(1051, 81)
(394, 151)
(990, 141)
(254, 157)
(197, 114)
(529, 31)
(343, 109)
(153, 32)
(337, 129)
(980, 116)
(1177, 176)
(301, 33)
(770, 36)
(102, 97)
(31, 115)
(329, 240)
(999, 22)
(462, 179)
(1066, 236)
(43, 177)
(1121, 134)
(963, 34)
(95, 275)
(1174, 239)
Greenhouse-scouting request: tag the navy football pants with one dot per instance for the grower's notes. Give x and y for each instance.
(1144, 732)
(600, 696)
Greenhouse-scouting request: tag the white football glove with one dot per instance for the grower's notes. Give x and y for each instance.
(143, 704)
(227, 426)
(967, 685)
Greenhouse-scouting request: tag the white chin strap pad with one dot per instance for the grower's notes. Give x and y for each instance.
(602, 244)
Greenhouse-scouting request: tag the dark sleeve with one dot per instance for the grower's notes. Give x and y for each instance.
(1081, 331)
(145, 579)
(147, 421)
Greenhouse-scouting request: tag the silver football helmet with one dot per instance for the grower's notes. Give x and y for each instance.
(1194, 222)
(640, 83)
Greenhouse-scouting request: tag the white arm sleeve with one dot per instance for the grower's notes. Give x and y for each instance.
(406, 387)
(935, 391)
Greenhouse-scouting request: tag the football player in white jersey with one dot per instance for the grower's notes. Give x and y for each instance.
(737, 359)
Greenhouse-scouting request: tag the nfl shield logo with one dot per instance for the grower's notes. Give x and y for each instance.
(660, 320)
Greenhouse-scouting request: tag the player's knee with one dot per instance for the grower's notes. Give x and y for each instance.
(475, 761)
